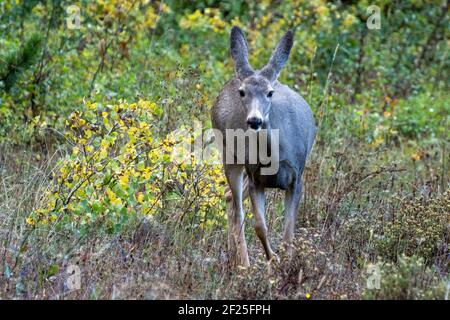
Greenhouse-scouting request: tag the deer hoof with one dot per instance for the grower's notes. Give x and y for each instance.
(274, 258)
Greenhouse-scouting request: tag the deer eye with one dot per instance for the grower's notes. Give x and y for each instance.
(241, 93)
(270, 94)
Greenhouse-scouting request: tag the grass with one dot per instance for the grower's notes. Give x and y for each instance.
(352, 191)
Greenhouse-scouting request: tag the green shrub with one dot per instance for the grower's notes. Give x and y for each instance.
(119, 167)
(420, 227)
(421, 116)
(410, 278)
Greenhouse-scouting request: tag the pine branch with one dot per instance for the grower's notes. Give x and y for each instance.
(16, 62)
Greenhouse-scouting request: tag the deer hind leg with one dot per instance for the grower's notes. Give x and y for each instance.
(257, 198)
(235, 193)
(291, 204)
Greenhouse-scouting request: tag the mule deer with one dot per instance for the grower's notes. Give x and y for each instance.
(255, 101)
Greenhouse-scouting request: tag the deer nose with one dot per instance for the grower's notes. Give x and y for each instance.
(254, 122)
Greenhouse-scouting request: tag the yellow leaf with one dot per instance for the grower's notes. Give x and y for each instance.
(30, 221)
(123, 180)
(140, 197)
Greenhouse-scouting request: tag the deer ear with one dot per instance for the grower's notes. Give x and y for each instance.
(279, 57)
(239, 53)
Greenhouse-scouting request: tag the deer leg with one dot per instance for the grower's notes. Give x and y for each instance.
(291, 203)
(257, 198)
(235, 211)
(232, 250)
(230, 215)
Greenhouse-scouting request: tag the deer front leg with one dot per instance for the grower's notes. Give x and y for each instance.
(235, 212)
(257, 198)
(291, 203)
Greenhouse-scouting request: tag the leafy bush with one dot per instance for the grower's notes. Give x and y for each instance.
(410, 278)
(119, 167)
(420, 228)
(421, 116)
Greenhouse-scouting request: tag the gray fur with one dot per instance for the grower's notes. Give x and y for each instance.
(285, 110)
(279, 57)
(239, 52)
